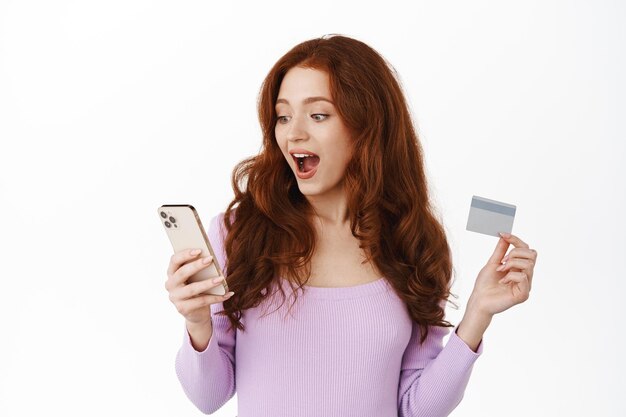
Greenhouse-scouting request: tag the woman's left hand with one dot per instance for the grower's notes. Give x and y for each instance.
(501, 286)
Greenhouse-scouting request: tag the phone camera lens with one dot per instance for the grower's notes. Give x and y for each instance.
(168, 224)
(173, 220)
(163, 215)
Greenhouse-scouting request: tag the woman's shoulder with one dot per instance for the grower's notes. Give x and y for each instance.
(217, 221)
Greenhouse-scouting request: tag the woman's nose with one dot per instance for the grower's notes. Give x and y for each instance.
(297, 129)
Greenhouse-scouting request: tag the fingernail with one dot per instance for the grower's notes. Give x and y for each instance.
(228, 294)
(218, 279)
(195, 251)
(505, 258)
(207, 259)
(505, 235)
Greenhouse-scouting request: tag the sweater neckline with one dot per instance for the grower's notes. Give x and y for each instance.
(353, 291)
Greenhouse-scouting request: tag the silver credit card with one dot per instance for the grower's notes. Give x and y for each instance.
(490, 216)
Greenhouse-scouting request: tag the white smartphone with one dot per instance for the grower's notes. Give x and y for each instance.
(185, 231)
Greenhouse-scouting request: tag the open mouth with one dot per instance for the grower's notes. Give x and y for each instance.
(307, 163)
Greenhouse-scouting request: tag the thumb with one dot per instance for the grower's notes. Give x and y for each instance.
(499, 251)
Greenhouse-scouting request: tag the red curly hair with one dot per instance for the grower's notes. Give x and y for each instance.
(388, 201)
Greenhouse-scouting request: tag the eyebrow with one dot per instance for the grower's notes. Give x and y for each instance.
(307, 100)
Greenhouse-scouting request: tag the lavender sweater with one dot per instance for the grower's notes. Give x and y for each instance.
(347, 351)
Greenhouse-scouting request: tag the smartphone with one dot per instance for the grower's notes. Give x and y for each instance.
(185, 231)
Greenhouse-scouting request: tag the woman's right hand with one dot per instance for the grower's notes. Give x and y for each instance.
(187, 298)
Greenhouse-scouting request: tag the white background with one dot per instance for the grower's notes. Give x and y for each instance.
(110, 109)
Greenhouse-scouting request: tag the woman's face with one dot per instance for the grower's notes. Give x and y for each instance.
(307, 121)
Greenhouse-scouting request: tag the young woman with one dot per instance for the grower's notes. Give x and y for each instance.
(336, 216)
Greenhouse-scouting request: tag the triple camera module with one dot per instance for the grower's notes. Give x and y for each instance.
(171, 219)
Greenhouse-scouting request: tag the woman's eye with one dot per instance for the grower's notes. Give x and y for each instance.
(317, 117)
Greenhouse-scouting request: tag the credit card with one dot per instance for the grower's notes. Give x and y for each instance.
(490, 216)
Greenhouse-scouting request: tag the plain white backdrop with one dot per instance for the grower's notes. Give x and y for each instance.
(110, 109)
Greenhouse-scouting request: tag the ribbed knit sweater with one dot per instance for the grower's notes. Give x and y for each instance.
(341, 351)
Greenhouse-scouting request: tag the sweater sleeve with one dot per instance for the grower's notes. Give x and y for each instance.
(433, 378)
(208, 377)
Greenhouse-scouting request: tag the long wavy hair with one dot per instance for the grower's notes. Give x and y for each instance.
(389, 207)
